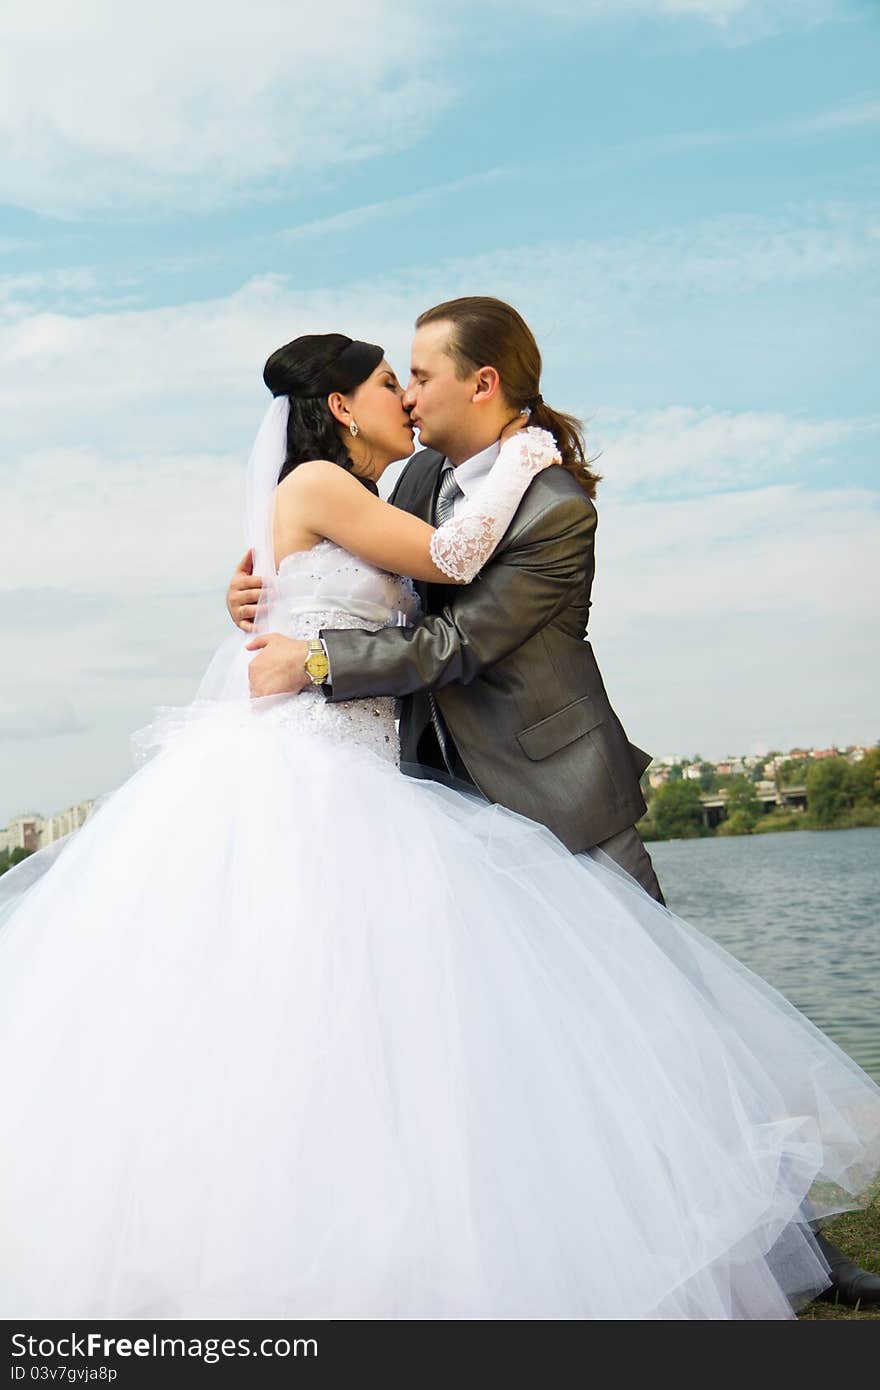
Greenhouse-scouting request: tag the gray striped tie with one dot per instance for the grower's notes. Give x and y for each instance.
(446, 495)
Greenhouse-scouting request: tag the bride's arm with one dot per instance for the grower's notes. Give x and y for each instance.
(325, 500)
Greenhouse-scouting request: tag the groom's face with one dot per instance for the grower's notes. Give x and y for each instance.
(438, 400)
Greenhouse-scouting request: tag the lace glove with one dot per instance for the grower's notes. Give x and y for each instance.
(461, 546)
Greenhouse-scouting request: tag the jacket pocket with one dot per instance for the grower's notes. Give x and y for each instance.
(560, 729)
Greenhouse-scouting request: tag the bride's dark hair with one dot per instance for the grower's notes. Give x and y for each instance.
(308, 370)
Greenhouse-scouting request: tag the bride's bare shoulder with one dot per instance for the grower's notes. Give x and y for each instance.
(315, 478)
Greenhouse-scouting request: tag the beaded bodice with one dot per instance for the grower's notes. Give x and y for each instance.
(327, 587)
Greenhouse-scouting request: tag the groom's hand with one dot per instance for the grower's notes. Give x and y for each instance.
(243, 593)
(279, 668)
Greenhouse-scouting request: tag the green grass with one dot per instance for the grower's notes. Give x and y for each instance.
(857, 1233)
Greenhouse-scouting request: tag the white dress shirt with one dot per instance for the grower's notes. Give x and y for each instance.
(471, 473)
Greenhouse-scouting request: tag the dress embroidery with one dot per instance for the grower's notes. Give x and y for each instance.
(326, 587)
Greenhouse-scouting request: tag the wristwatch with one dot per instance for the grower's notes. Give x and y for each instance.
(317, 665)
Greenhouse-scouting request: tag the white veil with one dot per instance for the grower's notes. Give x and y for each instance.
(264, 465)
(226, 676)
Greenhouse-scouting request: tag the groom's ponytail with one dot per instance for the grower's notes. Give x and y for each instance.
(490, 333)
(567, 430)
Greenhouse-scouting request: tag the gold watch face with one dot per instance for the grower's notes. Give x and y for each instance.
(317, 665)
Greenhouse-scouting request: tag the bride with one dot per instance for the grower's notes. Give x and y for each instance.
(285, 1033)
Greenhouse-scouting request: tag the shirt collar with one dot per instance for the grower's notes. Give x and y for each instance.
(472, 472)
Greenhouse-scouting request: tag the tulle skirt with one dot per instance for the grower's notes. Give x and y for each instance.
(284, 1033)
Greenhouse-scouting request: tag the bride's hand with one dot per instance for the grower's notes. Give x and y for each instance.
(280, 666)
(243, 593)
(518, 423)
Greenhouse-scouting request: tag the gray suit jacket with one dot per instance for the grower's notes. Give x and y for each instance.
(514, 678)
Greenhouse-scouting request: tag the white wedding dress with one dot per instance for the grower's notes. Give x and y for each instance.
(285, 1033)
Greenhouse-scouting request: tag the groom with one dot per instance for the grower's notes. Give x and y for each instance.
(499, 688)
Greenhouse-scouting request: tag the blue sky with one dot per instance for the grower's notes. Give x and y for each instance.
(680, 195)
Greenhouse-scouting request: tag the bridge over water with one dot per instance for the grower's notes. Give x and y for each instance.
(714, 804)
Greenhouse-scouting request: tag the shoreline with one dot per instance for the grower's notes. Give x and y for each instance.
(787, 829)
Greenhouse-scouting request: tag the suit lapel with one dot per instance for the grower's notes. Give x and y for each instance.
(418, 483)
(416, 493)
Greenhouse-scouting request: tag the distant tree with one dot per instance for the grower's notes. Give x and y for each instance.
(742, 803)
(676, 811)
(707, 777)
(675, 773)
(829, 790)
(756, 772)
(865, 778)
(9, 858)
(793, 772)
(647, 829)
(738, 823)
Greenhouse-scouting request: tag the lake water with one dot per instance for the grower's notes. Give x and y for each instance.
(802, 910)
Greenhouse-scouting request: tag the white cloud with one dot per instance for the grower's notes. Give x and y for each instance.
(744, 17)
(806, 553)
(738, 253)
(740, 620)
(54, 719)
(188, 374)
(684, 448)
(360, 216)
(104, 104)
(109, 106)
(77, 289)
(847, 117)
(138, 523)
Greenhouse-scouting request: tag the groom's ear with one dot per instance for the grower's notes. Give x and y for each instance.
(487, 384)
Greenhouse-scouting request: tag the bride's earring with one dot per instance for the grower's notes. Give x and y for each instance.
(353, 429)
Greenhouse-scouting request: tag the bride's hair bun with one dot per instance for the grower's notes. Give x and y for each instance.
(318, 363)
(308, 370)
(297, 368)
